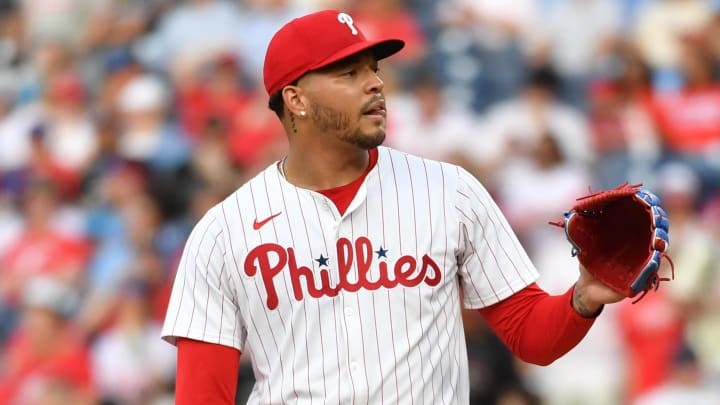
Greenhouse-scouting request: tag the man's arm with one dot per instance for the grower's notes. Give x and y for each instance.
(540, 328)
(493, 264)
(206, 373)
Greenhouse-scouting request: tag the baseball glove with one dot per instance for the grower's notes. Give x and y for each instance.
(620, 236)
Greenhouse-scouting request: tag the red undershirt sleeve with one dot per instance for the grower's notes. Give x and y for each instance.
(206, 373)
(537, 327)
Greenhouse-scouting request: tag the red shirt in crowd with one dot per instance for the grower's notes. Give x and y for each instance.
(249, 128)
(689, 120)
(44, 253)
(28, 371)
(652, 330)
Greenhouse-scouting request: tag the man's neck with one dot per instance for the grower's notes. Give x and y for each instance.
(324, 168)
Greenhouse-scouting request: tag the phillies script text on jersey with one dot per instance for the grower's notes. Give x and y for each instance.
(271, 258)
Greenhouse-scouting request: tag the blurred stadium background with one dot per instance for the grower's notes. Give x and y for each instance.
(122, 121)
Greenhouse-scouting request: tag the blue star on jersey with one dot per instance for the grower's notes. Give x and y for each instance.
(322, 261)
(381, 252)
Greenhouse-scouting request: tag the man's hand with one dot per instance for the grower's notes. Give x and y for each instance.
(590, 295)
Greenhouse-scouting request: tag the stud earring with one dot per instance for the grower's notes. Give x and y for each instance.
(302, 113)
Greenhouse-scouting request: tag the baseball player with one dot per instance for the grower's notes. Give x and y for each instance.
(339, 269)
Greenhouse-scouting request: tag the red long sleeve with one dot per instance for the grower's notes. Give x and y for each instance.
(206, 373)
(537, 327)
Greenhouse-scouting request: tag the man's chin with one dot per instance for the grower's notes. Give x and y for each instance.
(370, 141)
(371, 145)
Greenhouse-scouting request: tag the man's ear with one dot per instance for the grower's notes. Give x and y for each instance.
(294, 100)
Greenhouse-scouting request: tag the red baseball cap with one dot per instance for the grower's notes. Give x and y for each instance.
(316, 40)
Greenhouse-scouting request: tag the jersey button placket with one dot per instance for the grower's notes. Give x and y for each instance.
(351, 322)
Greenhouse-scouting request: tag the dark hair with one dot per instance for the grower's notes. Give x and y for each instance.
(544, 77)
(276, 102)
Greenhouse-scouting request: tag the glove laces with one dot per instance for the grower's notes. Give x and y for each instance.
(655, 279)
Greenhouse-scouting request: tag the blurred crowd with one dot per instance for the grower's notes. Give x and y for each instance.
(123, 121)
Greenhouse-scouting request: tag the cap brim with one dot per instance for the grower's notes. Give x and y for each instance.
(381, 48)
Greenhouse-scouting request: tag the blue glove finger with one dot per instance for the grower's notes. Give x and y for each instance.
(660, 218)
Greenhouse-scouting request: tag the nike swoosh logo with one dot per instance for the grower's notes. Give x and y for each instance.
(259, 224)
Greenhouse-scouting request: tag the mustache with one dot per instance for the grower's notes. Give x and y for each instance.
(376, 98)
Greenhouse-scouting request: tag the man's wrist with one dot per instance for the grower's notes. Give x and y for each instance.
(584, 309)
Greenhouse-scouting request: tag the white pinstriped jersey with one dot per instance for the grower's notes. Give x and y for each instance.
(356, 308)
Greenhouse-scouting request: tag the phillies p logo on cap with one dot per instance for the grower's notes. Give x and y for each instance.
(314, 41)
(346, 19)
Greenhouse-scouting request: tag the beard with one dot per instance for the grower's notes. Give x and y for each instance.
(330, 120)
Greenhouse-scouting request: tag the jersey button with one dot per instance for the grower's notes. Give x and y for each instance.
(354, 365)
(348, 312)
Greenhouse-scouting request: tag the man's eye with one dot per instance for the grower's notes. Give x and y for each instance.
(350, 73)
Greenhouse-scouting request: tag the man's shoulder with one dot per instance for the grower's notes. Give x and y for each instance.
(437, 173)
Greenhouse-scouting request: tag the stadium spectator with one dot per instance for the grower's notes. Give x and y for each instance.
(147, 135)
(689, 119)
(578, 33)
(658, 32)
(47, 361)
(623, 132)
(515, 125)
(427, 123)
(130, 365)
(684, 385)
(188, 34)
